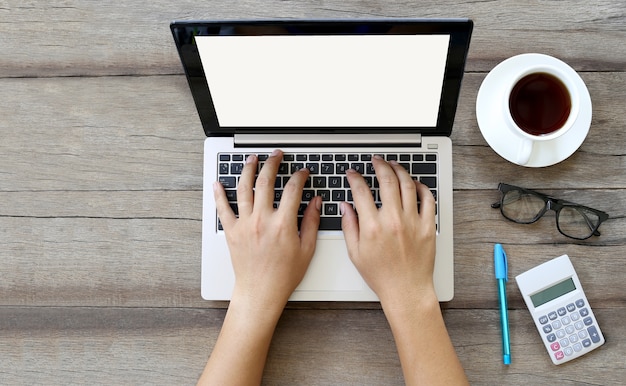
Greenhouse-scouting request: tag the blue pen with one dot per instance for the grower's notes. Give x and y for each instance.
(502, 270)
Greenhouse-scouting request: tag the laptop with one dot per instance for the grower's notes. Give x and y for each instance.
(330, 94)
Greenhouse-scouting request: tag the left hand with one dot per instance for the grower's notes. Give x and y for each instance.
(269, 257)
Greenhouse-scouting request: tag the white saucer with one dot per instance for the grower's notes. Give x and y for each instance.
(492, 123)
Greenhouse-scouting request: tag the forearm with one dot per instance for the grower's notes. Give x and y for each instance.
(240, 352)
(426, 352)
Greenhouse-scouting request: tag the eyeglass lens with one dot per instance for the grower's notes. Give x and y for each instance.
(577, 222)
(572, 221)
(522, 207)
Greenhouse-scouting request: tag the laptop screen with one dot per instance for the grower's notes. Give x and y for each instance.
(325, 81)
(316, 76)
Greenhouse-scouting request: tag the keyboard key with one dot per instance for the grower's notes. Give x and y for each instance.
(314, 168)
(338, 195)
(325, 194)
(342, 167)
(228, 182)
(334, 182)
(236, 168)
(424, 168)
(327, 168)
(331, 209)
(330, 223)
(431, 182)
(319, 182)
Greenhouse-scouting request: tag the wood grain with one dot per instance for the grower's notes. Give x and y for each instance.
(101, 196)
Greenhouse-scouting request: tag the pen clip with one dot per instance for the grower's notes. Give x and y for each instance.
(500, 262)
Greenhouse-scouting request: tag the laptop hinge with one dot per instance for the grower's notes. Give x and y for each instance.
(308, 140)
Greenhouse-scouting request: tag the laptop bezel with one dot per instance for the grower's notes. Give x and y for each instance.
(460, 30)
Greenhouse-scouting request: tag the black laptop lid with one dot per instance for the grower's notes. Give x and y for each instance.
(325, 76)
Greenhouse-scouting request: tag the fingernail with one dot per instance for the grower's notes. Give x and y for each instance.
(250, 158)
(394, 162)
(275, 153)
(377, 156)
(318, 205)
(216, 186)
(342, 208)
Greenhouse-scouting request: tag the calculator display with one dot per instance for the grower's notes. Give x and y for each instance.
(553, 292)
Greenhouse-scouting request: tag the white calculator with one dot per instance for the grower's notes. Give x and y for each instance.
(560, 309)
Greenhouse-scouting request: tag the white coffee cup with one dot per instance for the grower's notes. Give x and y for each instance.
(541, 104)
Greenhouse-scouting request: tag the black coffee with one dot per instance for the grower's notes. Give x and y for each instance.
(540, 103)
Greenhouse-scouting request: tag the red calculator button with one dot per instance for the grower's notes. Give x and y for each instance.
(559, 355)
(555, 346)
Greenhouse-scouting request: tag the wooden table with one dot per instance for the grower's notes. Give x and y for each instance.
(100, 201)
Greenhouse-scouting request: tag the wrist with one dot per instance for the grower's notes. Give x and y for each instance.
(254, 308)
(411, 302)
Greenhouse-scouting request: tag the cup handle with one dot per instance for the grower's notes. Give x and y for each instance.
(524, 149)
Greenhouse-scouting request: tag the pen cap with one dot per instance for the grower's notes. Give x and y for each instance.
(500, 263)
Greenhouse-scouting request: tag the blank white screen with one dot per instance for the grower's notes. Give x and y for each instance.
(325, 81)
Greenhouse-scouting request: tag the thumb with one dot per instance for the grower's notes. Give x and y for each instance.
(350, 227)
(310, 224)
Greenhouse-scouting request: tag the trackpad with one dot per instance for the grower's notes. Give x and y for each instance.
(331, 269)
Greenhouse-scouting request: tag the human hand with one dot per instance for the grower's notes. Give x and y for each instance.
(269, 257)
(393, 247)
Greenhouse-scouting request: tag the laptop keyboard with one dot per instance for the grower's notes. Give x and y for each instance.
(327, 178)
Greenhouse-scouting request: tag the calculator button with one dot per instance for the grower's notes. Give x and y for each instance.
(569, 329)
(586, 343)
(564, 342)
(559, 355)
(573, 338)
(568, 351)
(582, 334)
(578, 325)
(551, 338)
(552, 315)
(571, 307)
(566, 320)
(593, 333)
(580, 303)
(543, 319)
(584, 312)
(555, 346)
(578, 347)
(547, 328)
(561, 311)
(588, 321)
(575, 316)
(556, 324)
(560, 333)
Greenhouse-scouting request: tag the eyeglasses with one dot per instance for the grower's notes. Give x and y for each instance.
(525, 206)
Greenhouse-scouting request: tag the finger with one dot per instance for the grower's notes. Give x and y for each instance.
(389, 189)
(292, 193)
(310, 225)
(427, 201)
(264, 187)
(361, 194)
(245, 193)
(350, 227)
(408, 190)
(224, 211)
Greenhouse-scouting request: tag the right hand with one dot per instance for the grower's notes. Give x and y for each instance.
(393, 247)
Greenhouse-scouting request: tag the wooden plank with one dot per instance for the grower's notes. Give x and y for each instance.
(139, 249)
(97, 38)
(170, 346)
(143, 133)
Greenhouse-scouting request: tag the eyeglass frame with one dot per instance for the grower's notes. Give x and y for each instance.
(550, 203)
